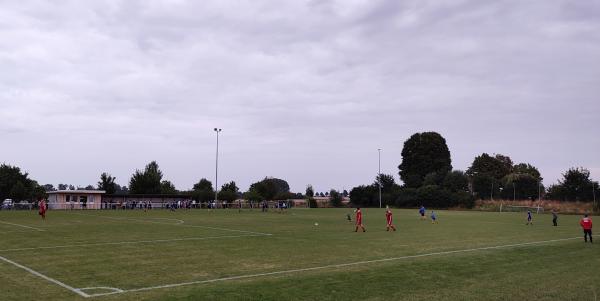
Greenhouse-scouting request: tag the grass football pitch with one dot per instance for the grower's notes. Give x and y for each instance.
(250, 255)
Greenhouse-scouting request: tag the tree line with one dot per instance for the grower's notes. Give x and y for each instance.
(16, 184)
(150, 181)
(426, 173)
(428, 177)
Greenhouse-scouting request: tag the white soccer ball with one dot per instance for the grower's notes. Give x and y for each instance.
(316, 224)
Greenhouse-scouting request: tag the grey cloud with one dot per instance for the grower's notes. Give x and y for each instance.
(304, 90)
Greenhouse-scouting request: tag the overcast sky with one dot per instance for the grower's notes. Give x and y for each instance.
(306, 91)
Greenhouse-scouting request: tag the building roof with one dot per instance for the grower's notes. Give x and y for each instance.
(166, 196)
(77, 192)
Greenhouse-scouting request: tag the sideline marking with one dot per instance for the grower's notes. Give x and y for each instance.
(126, 242)
(78, 292)
(332, 266)
(180, 223)
(23, 226)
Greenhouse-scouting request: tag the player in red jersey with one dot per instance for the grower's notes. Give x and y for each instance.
(42, 211)
(359, 223)
(586, 224)
(388, 218)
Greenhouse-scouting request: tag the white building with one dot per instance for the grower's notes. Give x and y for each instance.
(75, 199)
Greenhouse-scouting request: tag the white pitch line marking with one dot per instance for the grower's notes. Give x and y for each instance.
(16, 231)
(113, 290)
(147, 220)
(180, 224)
(336, 266)
(230, 230)
(179, 221)
(23, 226)
(127, 242)
(80, 293)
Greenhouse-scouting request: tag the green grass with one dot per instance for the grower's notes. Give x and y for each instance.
(210, 249)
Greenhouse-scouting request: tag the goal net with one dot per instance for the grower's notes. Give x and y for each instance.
(512, 208)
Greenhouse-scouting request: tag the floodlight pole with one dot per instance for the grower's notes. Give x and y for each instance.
(379, 176)
(217, 166)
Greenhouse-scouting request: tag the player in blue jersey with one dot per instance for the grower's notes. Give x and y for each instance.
(433, 218)
(529, 218)
(422, 212)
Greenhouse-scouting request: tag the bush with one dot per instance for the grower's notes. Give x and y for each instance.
(407, 197)
(456, 180)
(463, 199)
(434, 196)
(365, 196)
(438, 197)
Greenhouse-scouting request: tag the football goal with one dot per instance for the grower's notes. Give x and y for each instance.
(512, 208)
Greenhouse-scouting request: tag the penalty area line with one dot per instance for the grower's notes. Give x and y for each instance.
(180, 223)
(22, 226)
(341, 265)
(127, 242)
(230, 230)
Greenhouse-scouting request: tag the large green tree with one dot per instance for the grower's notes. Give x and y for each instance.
(166, 187)
(252, 196)
(423, 154)
(368, 195)
(17, 185)
(486, 173)
(271, 189)
(576, 185)
(147, 181)
(456, 181)
(387, 181)
(107, 183)
(203, 191)
(526, 168)
(497, 166)
(389, 189)
(520, 186)
(19, 191)
(229, 192)
(524, 182)
(365, 196)
(485, 186)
